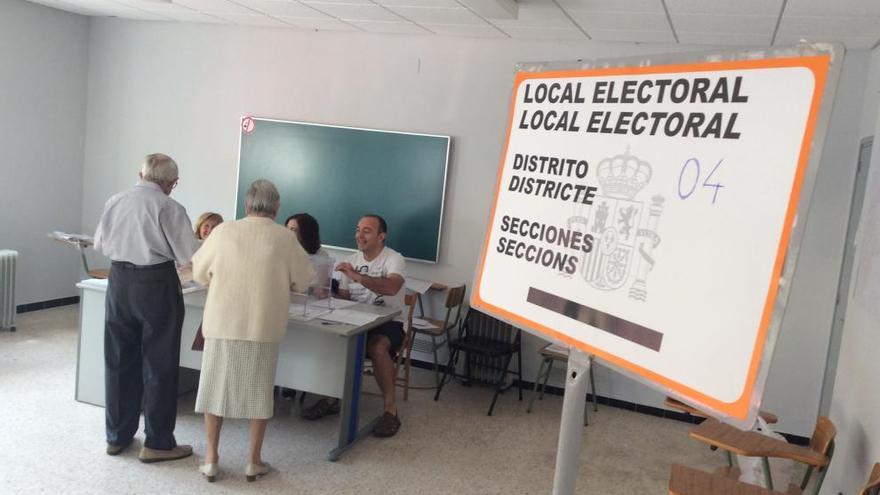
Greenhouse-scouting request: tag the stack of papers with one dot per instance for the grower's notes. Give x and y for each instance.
(72, 238)
(302, 310)
(349, 316)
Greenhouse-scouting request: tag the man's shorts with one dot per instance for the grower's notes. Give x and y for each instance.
(393, 330)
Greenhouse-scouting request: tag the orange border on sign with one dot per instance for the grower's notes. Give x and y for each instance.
(739, 408)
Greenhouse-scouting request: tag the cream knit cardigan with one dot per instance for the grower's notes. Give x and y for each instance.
(250, 266)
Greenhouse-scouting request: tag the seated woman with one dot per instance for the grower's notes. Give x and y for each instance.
(249, 267)
(206, 223)
(308, 233)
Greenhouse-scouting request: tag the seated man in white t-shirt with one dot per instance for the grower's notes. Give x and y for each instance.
(374, 275)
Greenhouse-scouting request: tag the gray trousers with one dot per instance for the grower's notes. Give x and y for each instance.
(142, 352)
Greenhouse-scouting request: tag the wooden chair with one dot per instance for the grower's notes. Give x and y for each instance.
(403, 357)
(491, 341)
(442, 328)
(80, 245)
(689, 481)
(817, 456)
(686, 481)
(873, 486)
(549, 354)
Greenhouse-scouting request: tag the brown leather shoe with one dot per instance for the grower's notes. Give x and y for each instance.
(149, 455)
(116, 449)
(387, 425)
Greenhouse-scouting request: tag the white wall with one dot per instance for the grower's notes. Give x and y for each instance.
(856, 400)
(180, 89)
(43, 61)
(794, 385)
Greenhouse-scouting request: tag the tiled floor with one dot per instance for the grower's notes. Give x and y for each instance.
(51, 443)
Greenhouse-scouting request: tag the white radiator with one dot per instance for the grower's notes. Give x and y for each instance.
(8, 260)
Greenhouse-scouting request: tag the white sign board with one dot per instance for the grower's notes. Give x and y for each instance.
(643, 214)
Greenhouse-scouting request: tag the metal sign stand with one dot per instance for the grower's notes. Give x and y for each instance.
(571, 426)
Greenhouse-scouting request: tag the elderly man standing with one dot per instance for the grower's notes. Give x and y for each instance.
(144, 232)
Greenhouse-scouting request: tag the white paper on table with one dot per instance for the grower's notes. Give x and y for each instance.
(342, 303)
(417, 285)
(349, 316)
(424, 324)
(191, 286)
(296, 311)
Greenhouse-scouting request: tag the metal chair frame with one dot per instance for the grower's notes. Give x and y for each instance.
(489, 340)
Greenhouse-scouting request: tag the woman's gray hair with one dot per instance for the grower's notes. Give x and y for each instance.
(262, 199)
(159, 168)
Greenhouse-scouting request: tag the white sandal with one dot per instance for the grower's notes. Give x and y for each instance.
(253, 471)
(209, 471)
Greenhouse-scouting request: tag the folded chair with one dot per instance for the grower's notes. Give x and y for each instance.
(816, 457)
(490, 344)
(443, 328)
(549, 354)
(402, 359)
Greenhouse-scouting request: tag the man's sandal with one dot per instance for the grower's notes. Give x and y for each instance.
(320, 409)
(387, 425)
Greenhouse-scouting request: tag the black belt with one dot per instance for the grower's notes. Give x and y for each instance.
(131, 266)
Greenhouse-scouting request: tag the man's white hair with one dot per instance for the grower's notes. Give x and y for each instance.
(159, 168)
(262, 199)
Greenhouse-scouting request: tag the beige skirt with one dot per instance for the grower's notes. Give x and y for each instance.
(237, 379)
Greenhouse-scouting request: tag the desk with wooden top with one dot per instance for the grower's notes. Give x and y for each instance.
(317, 357)
(753, 443)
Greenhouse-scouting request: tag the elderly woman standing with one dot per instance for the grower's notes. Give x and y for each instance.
(249, 266)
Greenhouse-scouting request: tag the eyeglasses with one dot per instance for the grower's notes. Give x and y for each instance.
(174, 184)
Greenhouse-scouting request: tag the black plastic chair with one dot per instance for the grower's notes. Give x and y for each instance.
(488, 344)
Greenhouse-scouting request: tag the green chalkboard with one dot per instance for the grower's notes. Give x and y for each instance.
(338, 174)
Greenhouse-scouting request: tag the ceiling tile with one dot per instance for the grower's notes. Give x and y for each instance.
(215, 6)
(253, 20)
(632, 36)
(157, 7)
(534, 14)
(816, 27)
(191, 16)
(730, 24)
(288, 8)
(655, 6)
(422, 15)
(742, 7)
(715, 38)
(620, 21)
(65, 6)
(851, 42)
(836, 8)
(319, 24)
(544, 33)
(419, 3)
(356, 12)
(471, 30)
(390, 27)
(361, 2)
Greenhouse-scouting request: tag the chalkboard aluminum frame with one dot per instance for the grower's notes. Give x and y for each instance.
(384, 131)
